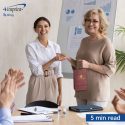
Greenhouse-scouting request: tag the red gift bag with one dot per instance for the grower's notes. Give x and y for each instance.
(80, 79)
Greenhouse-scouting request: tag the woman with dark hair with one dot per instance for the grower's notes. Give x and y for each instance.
(44, 57)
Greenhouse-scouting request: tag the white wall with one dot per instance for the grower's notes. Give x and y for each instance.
(118, 80)
(17, 31)
(12, 52)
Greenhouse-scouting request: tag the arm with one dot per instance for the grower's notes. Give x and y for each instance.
(108, 56)
(58, 57)
(103, 69)
(10, 84)
(59, 98)
(109, 60)
(72, 62)
(36, 67)
(47, 65)
(120, 108)
(5, 113)
(5, 116)
(19, 77)
(121, 93)
(59, 75)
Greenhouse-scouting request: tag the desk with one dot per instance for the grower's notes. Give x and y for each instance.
(69, 119)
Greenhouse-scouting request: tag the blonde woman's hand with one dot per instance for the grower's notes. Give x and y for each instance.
(82, 64)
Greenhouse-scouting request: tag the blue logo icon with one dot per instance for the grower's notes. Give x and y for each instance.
(70, 11)
(78, 31)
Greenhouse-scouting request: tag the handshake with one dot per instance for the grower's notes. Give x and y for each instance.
(75, 63)
(60, 57)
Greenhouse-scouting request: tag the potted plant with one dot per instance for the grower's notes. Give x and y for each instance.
(120, 55)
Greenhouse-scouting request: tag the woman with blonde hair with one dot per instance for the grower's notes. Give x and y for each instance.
(97, 55)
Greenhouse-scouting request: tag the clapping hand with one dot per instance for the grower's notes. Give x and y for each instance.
(120, 108)
(9, 85)
(121, 93)
(18, 75)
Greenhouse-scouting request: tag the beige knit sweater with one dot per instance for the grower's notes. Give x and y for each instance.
(102, 53)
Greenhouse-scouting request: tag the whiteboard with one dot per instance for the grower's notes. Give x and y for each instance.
(71, 30)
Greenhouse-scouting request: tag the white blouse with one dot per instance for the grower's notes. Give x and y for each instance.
(37, 55)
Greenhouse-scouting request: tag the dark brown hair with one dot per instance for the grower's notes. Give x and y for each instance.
(41, 19)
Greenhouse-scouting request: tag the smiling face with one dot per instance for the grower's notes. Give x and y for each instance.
(42, 28)
(95, 22)
(92, 25)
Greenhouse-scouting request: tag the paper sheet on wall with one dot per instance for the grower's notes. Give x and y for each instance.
(75, 36)
(70, 10)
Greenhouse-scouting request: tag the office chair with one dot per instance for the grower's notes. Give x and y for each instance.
(43, 103)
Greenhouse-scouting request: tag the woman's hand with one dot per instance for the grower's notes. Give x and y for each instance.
(60, 57)
(7, 93)
(18, 76)
(121, 93)
(59, 99)
(82, 64)
(10, 84)
(120, 108)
